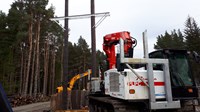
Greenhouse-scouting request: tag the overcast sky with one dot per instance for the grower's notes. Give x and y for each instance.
(135, 16)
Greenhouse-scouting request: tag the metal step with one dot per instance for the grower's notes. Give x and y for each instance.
(165, 105)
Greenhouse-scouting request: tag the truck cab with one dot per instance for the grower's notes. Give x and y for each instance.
(182, 81)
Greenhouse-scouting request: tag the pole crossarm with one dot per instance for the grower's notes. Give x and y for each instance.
(82, 16)
(103, 15)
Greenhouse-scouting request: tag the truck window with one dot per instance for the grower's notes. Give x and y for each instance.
(180, 70)
(157, 54)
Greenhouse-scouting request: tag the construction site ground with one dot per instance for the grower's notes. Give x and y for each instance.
(72, 110)
(41, 107)
(35, 107)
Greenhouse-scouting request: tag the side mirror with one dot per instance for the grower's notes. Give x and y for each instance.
(196, 56)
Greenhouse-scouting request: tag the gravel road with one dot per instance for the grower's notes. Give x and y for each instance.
(35, 107)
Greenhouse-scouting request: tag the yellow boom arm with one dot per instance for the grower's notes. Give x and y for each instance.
(73, 80)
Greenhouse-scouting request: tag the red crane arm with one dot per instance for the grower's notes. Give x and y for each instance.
(109, 43)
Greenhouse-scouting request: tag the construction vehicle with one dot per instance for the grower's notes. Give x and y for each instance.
(163, 80)
(73, 80)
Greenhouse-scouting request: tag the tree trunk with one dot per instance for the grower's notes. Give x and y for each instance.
(53, 70)
(50, 71)
(32, 71)
(37, 71)
(46, 63)
(24, 72)
(4, 78)
(50, 75)
(21, 70)
(15, 88)
(84, 69)
(29, 55)
(10, 83)
(62, 61)
(10, 72)
(39, 81)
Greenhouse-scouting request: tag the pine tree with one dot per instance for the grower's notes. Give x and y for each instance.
(192, 37)
(24, 29)
(178, 39)
(174, 40)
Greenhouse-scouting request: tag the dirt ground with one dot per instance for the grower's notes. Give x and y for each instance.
(36, 107)
(72, 111)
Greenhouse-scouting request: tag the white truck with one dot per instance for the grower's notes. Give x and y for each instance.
(164, 83)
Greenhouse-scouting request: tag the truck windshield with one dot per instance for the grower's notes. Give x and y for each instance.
(180, 70)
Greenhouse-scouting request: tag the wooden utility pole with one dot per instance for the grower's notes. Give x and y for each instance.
(93, 37)
(65, 64)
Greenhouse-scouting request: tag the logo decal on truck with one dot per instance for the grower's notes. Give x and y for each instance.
(137, 83)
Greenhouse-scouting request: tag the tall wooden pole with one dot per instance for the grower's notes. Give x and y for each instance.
(65, 64)
(93, 36)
